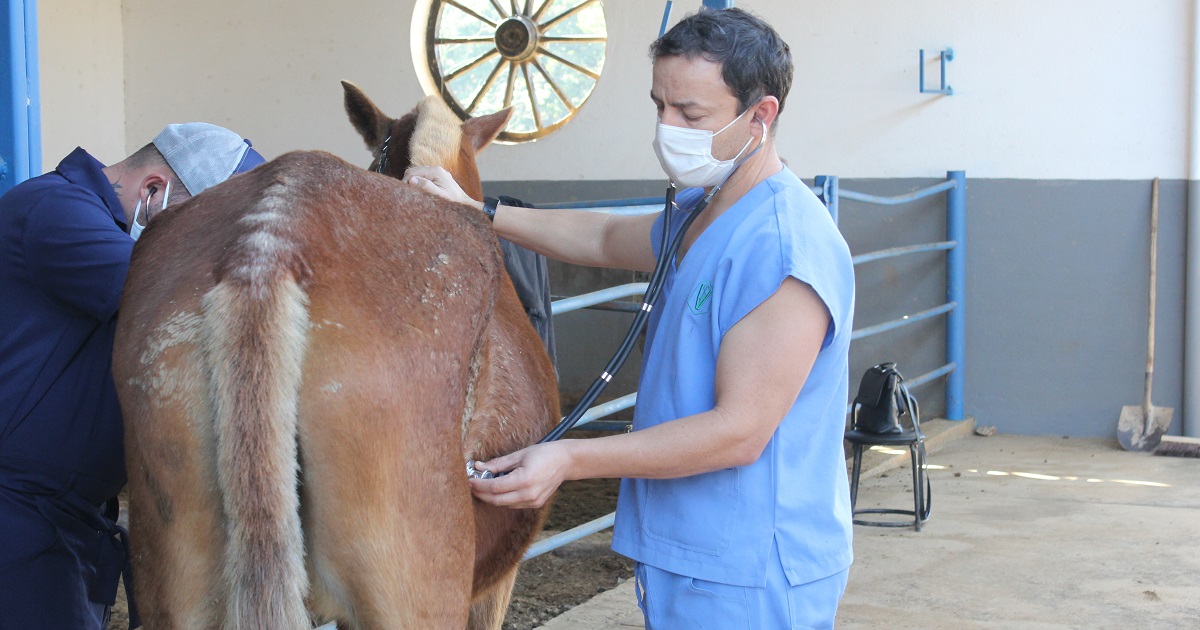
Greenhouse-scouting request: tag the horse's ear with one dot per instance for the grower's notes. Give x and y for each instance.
(367, 119)
(484, 129)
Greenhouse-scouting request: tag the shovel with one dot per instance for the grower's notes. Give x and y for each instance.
(1141, 428)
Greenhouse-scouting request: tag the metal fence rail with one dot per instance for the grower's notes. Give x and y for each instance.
(826, 188)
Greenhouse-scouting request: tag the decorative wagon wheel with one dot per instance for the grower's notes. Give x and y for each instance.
(541, 57)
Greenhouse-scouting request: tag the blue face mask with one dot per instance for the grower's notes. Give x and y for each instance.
(135, 229)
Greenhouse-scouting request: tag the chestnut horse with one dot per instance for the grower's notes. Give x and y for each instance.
(307, 356)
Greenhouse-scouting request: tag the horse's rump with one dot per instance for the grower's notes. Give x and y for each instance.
(313, 325)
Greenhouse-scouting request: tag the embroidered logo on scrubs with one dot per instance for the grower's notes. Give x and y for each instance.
(700, 301)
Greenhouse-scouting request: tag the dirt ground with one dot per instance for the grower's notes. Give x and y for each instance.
(554, 582)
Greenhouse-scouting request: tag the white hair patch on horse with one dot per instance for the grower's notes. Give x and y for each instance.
(324, 323)
(259, 219)
(261, 252)
(266, 241)
(180, 328)
(437, 136)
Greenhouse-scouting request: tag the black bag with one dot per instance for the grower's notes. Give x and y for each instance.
(882, 401)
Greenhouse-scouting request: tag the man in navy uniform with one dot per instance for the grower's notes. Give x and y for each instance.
(65, 244)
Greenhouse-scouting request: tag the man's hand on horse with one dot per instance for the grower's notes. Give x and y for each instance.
(533, 474)
(438, 181)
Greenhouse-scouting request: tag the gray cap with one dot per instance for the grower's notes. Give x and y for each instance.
(204, 155)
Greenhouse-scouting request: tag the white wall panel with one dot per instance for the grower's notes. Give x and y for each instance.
(1060, 89)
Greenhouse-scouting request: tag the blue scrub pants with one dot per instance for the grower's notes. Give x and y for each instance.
(677, 602)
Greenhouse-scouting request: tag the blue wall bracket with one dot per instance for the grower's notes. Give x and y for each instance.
(946, 55)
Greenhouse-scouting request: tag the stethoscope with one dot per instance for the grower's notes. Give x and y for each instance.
(669, 246)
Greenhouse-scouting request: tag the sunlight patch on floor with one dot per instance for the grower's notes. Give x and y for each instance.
(1042, 477)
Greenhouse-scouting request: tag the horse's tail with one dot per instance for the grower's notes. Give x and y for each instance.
(256, 324)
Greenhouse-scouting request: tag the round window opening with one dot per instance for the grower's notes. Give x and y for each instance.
(540, 57)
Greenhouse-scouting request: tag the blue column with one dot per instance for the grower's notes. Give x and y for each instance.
(956, 262)
(20, 111)
(718, 4)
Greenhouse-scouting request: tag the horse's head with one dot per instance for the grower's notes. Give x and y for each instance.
(429, 135)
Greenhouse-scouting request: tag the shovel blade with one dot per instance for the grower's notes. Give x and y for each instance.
(1136, 432)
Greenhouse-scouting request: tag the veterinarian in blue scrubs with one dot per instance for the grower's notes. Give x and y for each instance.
(734, 500)
(65, 242)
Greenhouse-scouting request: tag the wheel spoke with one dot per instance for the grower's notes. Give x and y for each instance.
(570, 64)
(472, 13)
(487, 86)
(574, 39)
(542, 9)
(528, 6)
(499, 9)
(533, 107)
(515, 10)
(472, 39)
(564, 15)
(471, 66)
(557, 90)
(512, 82)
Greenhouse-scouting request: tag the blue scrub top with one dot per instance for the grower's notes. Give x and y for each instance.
(720, 526)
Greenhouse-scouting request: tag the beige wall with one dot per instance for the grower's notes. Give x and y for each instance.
(83, 79)
(1067, 89)
(271, 70)
(267, 69)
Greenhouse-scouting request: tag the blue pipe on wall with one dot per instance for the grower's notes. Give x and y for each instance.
(867, 331)
(608, 203)
(901, 251)
(898, 199)
(956, 291)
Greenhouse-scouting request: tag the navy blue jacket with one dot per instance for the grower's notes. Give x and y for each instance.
(64, 253)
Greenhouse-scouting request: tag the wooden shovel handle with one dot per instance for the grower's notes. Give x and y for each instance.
(1153, 295)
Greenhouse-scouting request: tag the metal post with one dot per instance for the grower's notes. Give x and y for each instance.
(1191, 312)
(20, 137)
(956, 259)
(829, 193)
(33, 93)
(921, 70)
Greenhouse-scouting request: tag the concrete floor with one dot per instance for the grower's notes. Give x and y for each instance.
(1029, 533)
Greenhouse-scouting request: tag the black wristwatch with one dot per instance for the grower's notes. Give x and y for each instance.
(490, 203)
(489, 207)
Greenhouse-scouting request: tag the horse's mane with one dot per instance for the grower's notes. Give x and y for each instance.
(438, 134)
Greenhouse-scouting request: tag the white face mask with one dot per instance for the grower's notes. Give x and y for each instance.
(135, 230)
(686, 155)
